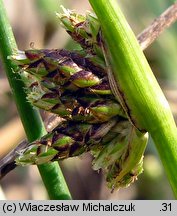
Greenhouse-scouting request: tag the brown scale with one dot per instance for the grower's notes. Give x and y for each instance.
(84, 62)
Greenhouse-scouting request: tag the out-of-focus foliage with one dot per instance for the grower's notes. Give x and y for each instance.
(36, 25)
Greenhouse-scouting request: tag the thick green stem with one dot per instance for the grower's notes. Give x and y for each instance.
(134, 84)
(30, 117)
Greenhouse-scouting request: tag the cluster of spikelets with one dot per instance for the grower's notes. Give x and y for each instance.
(75, 86)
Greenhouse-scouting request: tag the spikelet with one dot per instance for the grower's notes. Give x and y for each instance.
(75, 86)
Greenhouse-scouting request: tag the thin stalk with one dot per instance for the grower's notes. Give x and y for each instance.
(30, 117)
(134, 84)
(167, 18)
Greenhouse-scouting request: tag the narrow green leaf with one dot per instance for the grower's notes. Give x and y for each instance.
(51, 173)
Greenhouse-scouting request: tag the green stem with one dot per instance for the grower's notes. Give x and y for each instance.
(134, 84)
(54, 181)
(30, 117)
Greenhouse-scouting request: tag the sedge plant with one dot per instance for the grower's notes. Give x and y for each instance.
(102, 94)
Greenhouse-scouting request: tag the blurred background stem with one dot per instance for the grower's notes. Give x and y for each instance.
(30, 117)
(165, 45)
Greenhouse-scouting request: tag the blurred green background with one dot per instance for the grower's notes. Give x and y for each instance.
(35, 24)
